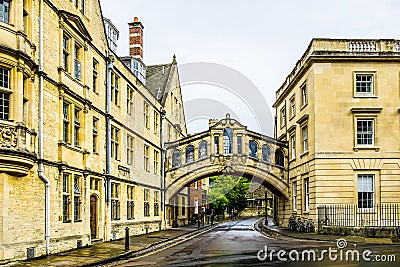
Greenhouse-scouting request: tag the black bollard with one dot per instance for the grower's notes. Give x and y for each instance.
(198, 223)
(127, 239)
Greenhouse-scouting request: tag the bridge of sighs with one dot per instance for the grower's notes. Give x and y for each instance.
(227, 148)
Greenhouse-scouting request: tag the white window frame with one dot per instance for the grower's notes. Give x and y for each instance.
(304, 94)
(365, 175)
(283, 116)
(294, 190)
(292, 106)
(6, 92)
(293, 146)
(307, 194)
(366, 119)
(304, 137)
(364, 84)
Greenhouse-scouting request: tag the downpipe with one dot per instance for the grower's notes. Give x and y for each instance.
(45, 180)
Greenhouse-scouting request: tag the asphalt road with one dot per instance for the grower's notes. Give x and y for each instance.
(236, 243)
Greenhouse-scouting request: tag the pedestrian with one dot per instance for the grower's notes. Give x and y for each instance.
(212, 216)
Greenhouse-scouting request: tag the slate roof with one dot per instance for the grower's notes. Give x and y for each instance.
(157, 78)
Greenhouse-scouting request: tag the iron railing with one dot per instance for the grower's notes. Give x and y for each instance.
(350, 215)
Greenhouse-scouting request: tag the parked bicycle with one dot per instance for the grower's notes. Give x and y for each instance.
(301, 224)
(309, 226)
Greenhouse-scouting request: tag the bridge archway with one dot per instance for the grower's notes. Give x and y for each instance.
(227, 148)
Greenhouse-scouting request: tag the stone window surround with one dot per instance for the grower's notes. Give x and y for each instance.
(372, 94)
(366, 113)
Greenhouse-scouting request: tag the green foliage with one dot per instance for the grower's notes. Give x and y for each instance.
(228, 192)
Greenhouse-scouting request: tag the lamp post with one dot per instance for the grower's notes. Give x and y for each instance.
(163, 154)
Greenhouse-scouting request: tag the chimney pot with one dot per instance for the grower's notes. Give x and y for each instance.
(135, 19)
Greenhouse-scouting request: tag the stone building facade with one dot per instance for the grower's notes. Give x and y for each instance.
(339, 111)
(101, 131)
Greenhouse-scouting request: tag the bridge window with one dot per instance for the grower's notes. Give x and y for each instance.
(203, 150)
(176, 158)
(253, 149)
(239, 144)
(216, 145)
(266, 153)
(190, 154)
(279, 159)
(227, 141)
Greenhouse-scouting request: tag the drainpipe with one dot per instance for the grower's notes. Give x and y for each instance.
(45, 180)
(110, 66)
(163, 154)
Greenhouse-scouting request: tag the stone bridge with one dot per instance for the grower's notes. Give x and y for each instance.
(227, 148)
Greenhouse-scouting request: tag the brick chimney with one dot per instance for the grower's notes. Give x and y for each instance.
(136, 38)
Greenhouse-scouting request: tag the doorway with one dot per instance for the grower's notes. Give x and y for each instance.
(93, 217)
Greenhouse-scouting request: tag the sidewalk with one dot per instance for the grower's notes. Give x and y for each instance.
(106, 252)
(274, 231)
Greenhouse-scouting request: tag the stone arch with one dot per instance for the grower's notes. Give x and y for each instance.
(262, 175)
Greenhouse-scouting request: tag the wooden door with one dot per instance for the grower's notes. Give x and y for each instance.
(93, 216)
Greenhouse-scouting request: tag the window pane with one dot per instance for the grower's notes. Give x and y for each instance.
(365, 132)
(4, 11)
(4, 106)
(239, 143)
(365, 190)
(253, 149)
(364, 83)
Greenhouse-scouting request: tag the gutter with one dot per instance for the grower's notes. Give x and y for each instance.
(45, 180)
(163, 154)
(110, 67)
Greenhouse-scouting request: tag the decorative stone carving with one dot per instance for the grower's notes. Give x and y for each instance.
(8, 136)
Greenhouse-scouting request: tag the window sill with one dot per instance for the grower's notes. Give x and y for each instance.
(294, 212)
(303, 106)
(304, 154)
(365, 96)
(357, 148)
(291, 160)
(66, 221)
(306, 212)
(69, 146)
(78, 220)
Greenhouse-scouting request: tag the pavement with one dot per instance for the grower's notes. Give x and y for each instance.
(275, 231)
(106, 252)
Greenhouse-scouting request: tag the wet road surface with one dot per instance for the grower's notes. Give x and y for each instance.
(236, 243)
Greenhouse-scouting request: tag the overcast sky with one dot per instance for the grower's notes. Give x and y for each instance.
(260, 39)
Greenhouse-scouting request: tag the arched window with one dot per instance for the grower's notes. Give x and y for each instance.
(190, 154)
(266, 153)
(176, 158)
(279, 158)
(203, 149)
(253, 149)
(228, 141)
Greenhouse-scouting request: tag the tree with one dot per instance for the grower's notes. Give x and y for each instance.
(228, 192)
